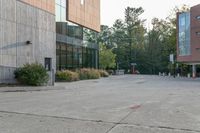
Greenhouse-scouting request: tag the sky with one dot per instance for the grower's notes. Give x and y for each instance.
(114, 9)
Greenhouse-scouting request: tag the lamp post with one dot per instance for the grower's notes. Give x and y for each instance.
(171, 58)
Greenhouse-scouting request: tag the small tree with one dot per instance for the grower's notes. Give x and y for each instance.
(106, 57)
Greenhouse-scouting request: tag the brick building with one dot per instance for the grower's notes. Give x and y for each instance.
(188, 37)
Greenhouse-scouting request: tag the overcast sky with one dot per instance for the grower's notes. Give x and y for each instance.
(114, 9)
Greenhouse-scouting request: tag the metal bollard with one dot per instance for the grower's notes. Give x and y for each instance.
(163, 74)
(169, 74)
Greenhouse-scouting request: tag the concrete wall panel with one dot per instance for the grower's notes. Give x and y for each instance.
(8, 9)
(24, 23)
(1, 1)
(1, 40)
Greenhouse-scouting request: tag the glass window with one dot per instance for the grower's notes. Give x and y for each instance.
(60, 10)
(89, 57)
(63, 14)
(58, 2)
(58, 14)
(75, 57)
(184, 34)
(63, 3)
(78, 32)
(91, 38)
(94, 58)
(63, 29)
(69, 56)
(48, 64)
(70, 30)
(80, 56)
(182, 21)
(58, 27)
(58, 56)
(84, 60)
(63, 57)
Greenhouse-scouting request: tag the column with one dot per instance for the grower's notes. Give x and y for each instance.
(194, 71)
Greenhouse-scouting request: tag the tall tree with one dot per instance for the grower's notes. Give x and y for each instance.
(135, 31)
(132, 43)
(119, 38)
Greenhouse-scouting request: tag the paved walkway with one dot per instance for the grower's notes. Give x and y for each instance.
(118, 104)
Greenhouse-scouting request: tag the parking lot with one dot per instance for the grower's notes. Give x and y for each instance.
(118, 104)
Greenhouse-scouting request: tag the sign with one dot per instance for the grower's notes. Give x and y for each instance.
(133, 64)
(171, 58)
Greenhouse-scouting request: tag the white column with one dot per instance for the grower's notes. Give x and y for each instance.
(194, 71)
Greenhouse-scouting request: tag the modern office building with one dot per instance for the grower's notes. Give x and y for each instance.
(44, 31)
(188, 37)
(73, 19)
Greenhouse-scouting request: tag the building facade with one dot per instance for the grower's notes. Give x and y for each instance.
(50, 32)
(188, 37)
(27, 35)
(73, 19)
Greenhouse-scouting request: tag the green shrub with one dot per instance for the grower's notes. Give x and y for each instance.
(104, 73)
(67, 76)
(88, 74)
(32, 74)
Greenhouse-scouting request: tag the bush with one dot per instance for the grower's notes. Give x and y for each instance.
(88, 74)
(104, 73)
(32, 74)
(67, 75)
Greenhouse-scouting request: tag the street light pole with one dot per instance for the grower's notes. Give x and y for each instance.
(173, 63)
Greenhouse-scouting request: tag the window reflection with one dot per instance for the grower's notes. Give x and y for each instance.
(63, 3)
(69, 56)
(184, 34)
(63, 14)
(58, 2)
(58, 15)
(73, 57)
(61, 10)
(66, 28)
